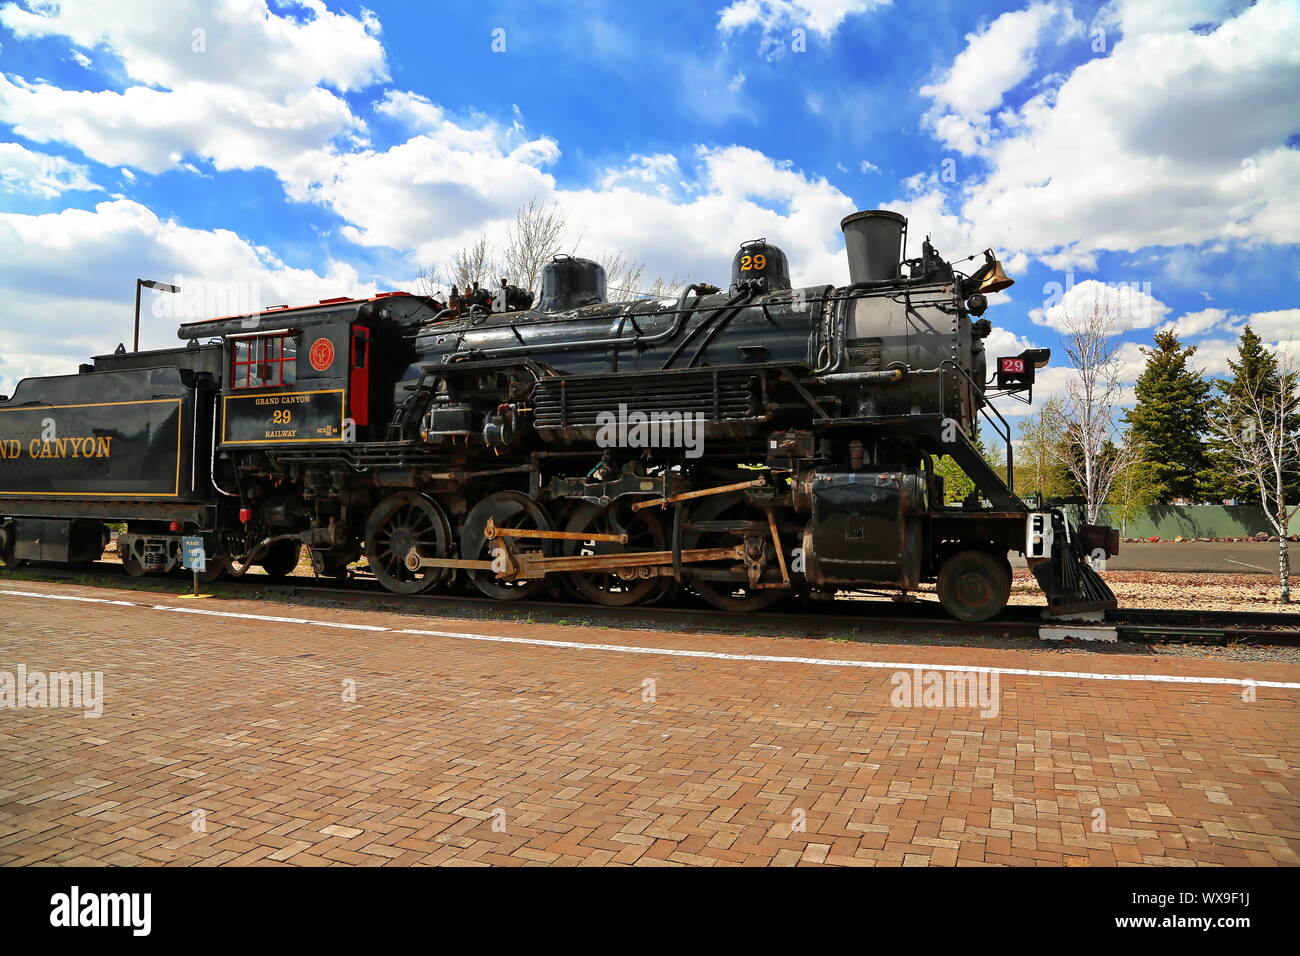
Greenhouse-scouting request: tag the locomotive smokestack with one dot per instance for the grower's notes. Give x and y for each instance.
(873, 240)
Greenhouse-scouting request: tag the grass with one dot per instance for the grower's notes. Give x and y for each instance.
(155, 584)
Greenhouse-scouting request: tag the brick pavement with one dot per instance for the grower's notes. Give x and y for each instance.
(462, 752)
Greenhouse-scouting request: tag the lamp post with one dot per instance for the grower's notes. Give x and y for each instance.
(147, 284)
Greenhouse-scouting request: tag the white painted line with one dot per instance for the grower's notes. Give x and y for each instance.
(673, 652)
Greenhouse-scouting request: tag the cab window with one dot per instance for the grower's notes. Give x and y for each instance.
(265, 362)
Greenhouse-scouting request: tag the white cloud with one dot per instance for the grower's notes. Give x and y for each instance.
(659, 174)
(201, 41)
(1131, 305)
(772, 16)
(1003, 342)
(1279, 325)
(743, 194)
(454, 180)
(1196, 323)
(155, 130)
(1161, 16)
(927, 215)
(995, 61)
(449, 182)
(80, 265)
(231, 82)
(414, 111)
(1124, 155)
(25, 171)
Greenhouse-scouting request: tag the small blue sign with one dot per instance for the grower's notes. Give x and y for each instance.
(193, 555)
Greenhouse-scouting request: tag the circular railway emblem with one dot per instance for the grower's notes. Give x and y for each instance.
(321, 354)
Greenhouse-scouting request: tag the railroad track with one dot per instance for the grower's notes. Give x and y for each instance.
(1138, 625)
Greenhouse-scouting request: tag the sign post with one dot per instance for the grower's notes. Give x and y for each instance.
(194, 557)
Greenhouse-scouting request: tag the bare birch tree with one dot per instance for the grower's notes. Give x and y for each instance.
(533, 239)
(625, 279)
(472, 265)
(1257, 426)
(428, 281)
(538, 233)
(622, 275)
(1093, 449)
(663, 288)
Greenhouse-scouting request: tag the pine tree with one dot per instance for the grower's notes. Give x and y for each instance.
(1255, 369)
(1171, 415)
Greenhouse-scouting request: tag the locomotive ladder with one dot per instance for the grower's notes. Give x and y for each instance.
(406, 411)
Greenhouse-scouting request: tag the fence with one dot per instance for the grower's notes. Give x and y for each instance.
(1200, 521)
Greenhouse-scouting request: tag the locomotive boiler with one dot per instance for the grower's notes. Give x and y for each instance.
(740, 446)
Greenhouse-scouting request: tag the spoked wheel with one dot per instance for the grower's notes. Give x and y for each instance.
(724, 584)
(404, 522)
(507, 509)
(645, 532)
(974, 586)
(281, 558)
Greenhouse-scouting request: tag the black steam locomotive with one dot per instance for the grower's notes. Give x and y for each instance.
(742, 446)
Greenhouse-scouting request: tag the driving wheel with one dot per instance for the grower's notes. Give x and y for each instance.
(404, 522)
(506, 509)
(645, 532)
(725, 584)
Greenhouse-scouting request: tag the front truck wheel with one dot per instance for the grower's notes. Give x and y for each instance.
(974, 586)
(281, 558)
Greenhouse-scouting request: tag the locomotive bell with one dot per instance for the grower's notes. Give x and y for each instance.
(570, 283)
(989, 277)
(997, 280)
(759, 259)
(873, 240)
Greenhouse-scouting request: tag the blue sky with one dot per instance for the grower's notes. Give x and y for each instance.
(1140, 150)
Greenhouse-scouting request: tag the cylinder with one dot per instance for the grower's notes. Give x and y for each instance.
(873, 240)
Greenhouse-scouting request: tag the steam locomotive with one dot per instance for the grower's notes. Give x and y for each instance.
(741, 446)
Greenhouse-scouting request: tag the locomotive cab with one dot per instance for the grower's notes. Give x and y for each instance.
(315, 374)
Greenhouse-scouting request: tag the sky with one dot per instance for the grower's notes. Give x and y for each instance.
(260, 153)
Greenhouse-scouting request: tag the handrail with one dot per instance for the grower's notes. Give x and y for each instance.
(1005, 434)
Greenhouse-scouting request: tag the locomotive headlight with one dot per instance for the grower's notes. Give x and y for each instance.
(1039, 357)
